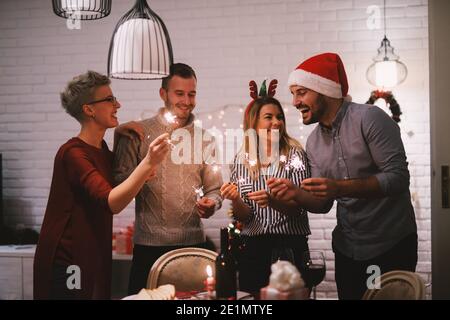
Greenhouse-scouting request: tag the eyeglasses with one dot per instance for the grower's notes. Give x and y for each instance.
(111, 99)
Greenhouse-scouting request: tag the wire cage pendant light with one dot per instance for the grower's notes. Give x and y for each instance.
(82, 9)
(387, 71)
(140, 47)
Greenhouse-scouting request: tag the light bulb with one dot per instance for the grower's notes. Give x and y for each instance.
(386, 74)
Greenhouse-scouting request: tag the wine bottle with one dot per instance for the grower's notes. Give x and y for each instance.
(225, 269)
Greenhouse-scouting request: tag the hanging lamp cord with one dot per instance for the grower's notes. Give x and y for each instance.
(384, 15)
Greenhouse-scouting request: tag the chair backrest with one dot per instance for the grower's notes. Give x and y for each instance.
(184, 268)
(398, 285)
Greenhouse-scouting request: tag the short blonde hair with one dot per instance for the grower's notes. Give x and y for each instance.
(80, 90)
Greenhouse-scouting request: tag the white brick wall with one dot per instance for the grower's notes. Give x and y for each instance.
(228, 43)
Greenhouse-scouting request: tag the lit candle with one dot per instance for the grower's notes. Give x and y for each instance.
(210, 281)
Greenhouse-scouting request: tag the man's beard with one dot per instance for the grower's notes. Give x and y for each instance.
(317, 114)
(177, 111)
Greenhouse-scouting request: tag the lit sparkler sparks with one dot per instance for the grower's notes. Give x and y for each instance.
(199, 192)
(170, 117)
(215, 168)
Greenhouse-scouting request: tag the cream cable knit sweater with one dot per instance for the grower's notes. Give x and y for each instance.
(166, 214)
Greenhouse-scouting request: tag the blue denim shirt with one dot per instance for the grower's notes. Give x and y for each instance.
(364, 141)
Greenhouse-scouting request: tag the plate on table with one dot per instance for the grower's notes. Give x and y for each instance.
(240, 295)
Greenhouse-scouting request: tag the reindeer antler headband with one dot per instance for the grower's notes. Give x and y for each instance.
(263, 92)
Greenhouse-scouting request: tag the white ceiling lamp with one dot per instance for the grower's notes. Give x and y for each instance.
(82, 9)
(387, 71)
(140, 47)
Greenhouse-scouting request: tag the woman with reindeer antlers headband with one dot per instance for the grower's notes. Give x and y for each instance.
(269, 225)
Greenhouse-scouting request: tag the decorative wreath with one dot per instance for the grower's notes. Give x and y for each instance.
(390, 101)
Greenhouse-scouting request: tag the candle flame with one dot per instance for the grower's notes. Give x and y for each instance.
(209, 271)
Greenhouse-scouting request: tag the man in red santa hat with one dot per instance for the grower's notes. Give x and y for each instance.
(357, 158)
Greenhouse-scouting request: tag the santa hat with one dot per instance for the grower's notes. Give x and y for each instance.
(323, 73)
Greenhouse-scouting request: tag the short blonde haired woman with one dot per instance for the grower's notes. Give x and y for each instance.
(77, 226)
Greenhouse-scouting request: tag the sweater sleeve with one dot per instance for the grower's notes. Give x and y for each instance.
(126, 158)
(212, 181)
(238, 171)
(84, 174)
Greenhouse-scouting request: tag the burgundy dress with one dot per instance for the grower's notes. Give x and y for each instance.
(77, 226)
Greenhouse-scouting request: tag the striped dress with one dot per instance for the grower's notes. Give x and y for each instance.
(268, 221)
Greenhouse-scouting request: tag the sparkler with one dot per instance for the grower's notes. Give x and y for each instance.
(297, 163)
(294, 163)
(170, 117)
(215, 168)
(199, 192)
(243, 187)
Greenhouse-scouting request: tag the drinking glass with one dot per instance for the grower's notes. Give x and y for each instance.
(313, 269)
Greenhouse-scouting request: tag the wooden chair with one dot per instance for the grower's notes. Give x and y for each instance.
(184, 268)
(398, 285)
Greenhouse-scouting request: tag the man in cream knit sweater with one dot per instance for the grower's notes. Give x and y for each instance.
(168, 214)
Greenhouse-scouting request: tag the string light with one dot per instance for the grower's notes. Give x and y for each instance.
(218, 114)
